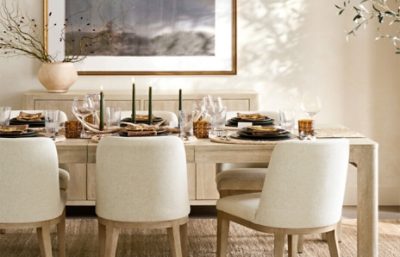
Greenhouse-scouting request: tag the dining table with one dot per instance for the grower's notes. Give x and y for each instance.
(203, 156)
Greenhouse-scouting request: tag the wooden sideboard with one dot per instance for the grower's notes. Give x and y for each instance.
(246, 100)
(75, 158)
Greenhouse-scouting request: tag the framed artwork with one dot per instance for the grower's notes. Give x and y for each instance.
(151, 37)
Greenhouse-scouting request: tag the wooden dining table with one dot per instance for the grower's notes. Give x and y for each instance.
(203, 156)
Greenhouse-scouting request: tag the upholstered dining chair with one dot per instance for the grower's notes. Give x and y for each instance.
(33, 189)
(302, 194)
(142, 183)
(170, 117)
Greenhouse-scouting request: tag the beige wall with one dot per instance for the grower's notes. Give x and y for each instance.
(285, 47)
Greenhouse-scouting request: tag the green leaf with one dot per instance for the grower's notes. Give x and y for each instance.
(357, 17)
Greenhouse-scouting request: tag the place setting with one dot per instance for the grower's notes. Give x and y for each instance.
(16, 131)
(98, 121)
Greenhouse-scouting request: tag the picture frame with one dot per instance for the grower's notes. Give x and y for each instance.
(223, 61)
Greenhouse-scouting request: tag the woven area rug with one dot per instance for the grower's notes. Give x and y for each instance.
(82, 241)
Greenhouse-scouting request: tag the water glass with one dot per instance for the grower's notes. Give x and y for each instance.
(113, 116)
(287, 119)
(218, 121)
(186, 125)
(5, 112)
(52, 122)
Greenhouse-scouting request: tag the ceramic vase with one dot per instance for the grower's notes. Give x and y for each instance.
(57, 77)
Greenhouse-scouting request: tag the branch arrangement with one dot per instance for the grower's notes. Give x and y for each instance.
(385, 12)
(21, 35)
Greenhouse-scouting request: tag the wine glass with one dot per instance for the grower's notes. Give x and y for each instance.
(311, 104)
(84, 109)
(94, 104)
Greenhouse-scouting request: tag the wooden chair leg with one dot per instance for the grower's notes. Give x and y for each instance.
(292, 245)
(174, 237)
(184, 240)
(279, 244)
(222, 235)
(300, 244)
(61, 236)
(44, 240)
(333, 243)
(339, 231)
(111, 241)
(102, 239)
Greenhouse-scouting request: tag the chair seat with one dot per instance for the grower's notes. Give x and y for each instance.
(241, 179)
(243, 206)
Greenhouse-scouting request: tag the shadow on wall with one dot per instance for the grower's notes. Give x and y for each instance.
(269, 38)
(269, 33)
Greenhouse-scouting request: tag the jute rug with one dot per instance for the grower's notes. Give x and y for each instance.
(82, 241)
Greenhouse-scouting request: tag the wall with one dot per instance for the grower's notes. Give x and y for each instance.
(285, 47)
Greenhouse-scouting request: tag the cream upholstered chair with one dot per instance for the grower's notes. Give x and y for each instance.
(170, 117)
(33, 189)
(302, 194)
(15, 113)
(142, 182)
(233, 179)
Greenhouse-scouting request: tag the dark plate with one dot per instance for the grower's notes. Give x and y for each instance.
(155, 120)
(32, 124)
(161, 132)
(234, 122)
(248, 133)
(28, 133)
(258, 138)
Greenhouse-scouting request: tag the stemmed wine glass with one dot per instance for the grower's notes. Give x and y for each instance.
(311, 104)
(83, 108)
(94, 104)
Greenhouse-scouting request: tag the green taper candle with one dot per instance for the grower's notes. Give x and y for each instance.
(133, 115)
(150, 107)
(180, 100)
(101, 126)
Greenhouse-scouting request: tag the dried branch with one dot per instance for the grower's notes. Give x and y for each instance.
(19, 36)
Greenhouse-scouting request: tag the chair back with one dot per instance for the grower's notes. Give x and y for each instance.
(29, 182)
(15, 113)
(305, 184)
(141, 179)
(170, 117)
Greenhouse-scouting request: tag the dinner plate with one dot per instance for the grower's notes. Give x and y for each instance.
(27, 133)
(156, 120)
(260, 138)
(31, 123)
(233, 122)
(160, 132)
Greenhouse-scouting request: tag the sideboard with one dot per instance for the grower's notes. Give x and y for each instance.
(75, 157)
(40, 100)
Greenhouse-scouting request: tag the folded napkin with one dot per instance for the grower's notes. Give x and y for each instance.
(13, 129)
(24, 116)
(251, 116)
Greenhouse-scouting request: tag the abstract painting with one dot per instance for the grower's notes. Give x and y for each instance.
(152, 37)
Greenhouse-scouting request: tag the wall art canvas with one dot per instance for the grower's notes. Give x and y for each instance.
(152, 37)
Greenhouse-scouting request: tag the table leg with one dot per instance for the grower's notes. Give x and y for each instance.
(367, 202)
